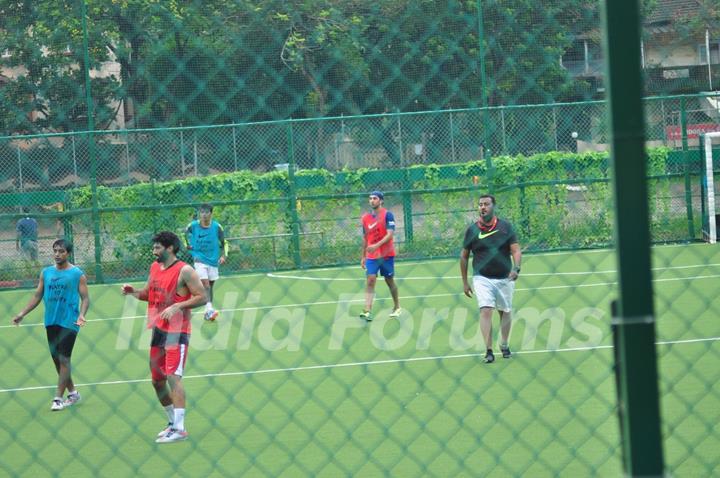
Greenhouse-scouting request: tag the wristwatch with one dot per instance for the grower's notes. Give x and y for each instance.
(516, 269)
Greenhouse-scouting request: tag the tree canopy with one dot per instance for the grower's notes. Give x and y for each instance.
(222, 61)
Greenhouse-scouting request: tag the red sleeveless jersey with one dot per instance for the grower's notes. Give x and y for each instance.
(162, 293)
(375, 228)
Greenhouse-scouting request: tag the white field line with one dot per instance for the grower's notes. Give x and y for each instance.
(524, 274)
(405, 297)
(353, 364)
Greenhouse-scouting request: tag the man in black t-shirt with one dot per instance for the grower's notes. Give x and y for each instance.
(493, 243)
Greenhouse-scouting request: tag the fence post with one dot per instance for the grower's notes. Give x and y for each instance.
(525, 221)
(74, 152)
(182, 154)
(407, 205)
(20, 176)
(195, 152)
(127, 155)
(686, 167)
(234, 138)
(400, 141)
(641, 434)
(452, 139)
(504, 132)
(555, 128)
(483, 97)
(292, 198)
(65, 219)
(91, 151)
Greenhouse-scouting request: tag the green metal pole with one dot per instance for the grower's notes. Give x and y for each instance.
(91, 149)
(292, 198)
(407, 206)
(686, 167)
(483, 96)
(642, 442)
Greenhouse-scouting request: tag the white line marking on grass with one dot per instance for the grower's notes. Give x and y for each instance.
(426, 296)
(354, 364)
(524, 274)
(406, 262)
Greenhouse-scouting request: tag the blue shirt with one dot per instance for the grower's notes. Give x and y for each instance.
(206, 242)
(27, 227)
(62, 296)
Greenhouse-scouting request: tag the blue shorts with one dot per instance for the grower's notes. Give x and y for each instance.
(385, 265)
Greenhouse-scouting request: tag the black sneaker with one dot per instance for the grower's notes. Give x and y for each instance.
(506, 352)
(489, 357)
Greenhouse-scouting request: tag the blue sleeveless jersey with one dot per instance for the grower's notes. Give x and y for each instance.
(205, 242)
(61, 296)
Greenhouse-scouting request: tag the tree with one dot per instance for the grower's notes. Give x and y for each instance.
(219, 61)
(44, 46)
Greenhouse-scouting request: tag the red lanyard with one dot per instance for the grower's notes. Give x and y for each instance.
(487, 227)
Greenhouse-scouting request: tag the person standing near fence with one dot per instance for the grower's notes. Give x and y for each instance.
(172, 289)
(378, 253)
(26, 238)
(61, 288)
(493, 244)
(205, 240)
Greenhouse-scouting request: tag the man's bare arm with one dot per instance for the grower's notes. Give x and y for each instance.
(190, 279)
(141, 294)
(34, 301)
(84, 300)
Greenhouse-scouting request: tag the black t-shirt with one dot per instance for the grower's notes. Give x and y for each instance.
(491, 249)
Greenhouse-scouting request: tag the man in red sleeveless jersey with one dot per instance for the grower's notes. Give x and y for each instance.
(378, 253)
(172, 289)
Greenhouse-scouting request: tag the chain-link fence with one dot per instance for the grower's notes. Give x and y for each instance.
(118, 119)
(315, 173)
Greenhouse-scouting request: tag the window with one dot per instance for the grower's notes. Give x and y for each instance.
(714, 52)
(583, 57)
(576, 52)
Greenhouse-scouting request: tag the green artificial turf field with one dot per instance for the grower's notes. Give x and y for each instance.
(289, 382)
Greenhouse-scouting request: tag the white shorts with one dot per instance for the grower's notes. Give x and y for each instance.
(495, 293)
(207, 272)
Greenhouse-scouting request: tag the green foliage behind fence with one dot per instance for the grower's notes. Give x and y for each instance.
(557, 200)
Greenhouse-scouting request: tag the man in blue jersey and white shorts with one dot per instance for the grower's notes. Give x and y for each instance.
(205, 240)
(64, 291)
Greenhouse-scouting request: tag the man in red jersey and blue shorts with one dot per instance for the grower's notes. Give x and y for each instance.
(378, 253)
(172, 289)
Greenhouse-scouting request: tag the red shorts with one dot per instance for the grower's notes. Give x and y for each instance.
(168, 353)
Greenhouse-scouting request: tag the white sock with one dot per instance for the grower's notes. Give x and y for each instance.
(170, 413)
(58, 398)
(179, 422)
(208, 306)
(74, 392)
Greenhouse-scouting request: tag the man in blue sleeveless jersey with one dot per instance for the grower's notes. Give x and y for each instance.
(63, 289)
(205, 240)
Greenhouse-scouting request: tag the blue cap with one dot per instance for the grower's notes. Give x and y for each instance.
(378, 194)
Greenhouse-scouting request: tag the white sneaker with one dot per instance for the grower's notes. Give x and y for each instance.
(211, 315)
(173, 436)
(71, 399)
(165, 430)
(396, 313)
(57, 404)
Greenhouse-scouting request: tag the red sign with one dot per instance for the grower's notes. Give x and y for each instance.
(693, 130)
